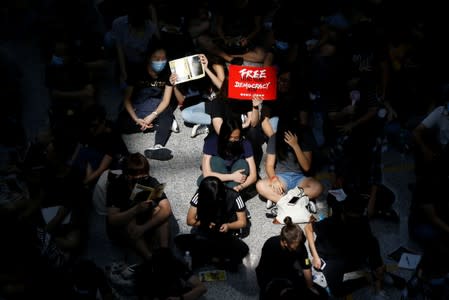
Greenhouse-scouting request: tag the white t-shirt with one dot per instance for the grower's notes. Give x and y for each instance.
(439, 119)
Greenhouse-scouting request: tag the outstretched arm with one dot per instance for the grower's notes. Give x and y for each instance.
(310, 235)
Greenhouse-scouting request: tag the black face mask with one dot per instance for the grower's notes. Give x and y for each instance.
(234, 148)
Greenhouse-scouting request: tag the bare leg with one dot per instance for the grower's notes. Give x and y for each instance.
(264, 189)
(312, 187)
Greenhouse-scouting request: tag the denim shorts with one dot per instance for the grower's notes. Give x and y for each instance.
(291, 179)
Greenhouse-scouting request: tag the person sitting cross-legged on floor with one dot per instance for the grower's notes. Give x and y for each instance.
(289, 157)
(216, 213)
(229, 156)
(133, 220)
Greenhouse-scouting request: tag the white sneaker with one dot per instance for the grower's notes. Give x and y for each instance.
(270, 204)
(319, 278)
(199, 129)
(175, 126)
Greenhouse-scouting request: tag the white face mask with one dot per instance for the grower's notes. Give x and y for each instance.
(159, 65)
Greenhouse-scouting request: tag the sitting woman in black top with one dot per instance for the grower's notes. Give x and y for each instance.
(229, 156)
(216, 213)
(282, 259)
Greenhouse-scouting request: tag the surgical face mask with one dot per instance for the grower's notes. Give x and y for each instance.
(57, 60)
(158, 66)
(281, 45)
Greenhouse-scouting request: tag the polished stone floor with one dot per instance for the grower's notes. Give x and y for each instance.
(181, 172)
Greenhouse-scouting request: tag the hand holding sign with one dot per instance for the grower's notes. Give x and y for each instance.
(248, 81)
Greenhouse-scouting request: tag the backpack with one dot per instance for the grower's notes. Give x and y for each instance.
(296, 205)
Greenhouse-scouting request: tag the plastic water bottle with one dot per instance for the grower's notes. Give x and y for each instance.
(188, 259)
(322, 208)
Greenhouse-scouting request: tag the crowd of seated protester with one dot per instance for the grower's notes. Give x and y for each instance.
(349, 81)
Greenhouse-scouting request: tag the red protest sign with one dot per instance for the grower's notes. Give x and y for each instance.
(246, 81)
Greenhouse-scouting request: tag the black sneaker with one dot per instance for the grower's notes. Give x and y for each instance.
(249, 192)
(158, 152)
(273, 213)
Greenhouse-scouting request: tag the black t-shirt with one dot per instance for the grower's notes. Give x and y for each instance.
(233, 204)
(277, 262)
(147, 91)
(338, 239)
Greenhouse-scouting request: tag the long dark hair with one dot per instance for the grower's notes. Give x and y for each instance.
(285, 124)
(228, 149)
(211, 201)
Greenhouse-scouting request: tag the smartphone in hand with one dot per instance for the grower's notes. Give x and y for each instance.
(323, 265)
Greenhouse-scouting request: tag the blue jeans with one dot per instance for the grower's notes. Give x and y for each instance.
(291, 179)
(196, 114)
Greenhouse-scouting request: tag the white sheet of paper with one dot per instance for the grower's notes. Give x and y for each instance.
(339, 194)
(49, 212)
(409, 261)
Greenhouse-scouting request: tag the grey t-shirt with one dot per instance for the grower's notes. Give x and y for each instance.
(290, 164)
